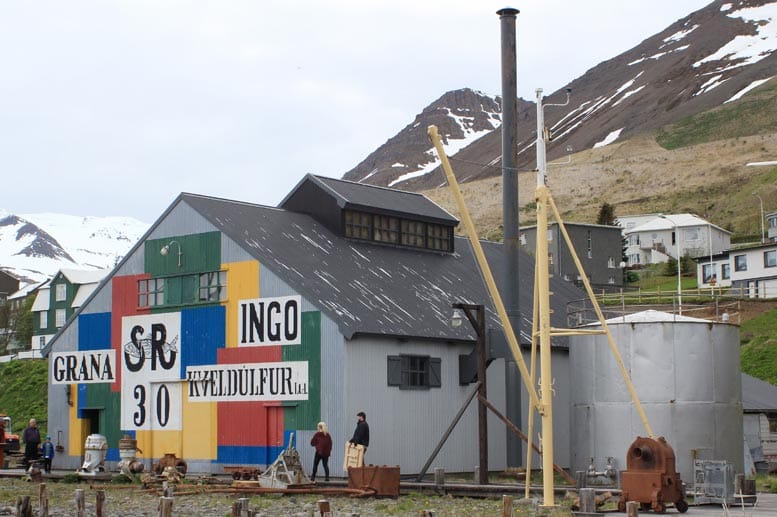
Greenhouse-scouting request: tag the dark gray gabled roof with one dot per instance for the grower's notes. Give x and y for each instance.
(369, 288)
(758, 396)
(352, 195)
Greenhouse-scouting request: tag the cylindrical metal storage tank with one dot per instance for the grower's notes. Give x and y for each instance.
(686, 373)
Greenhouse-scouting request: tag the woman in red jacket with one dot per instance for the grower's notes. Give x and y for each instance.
(323, 444)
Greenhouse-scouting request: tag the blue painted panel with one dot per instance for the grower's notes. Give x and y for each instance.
(112, 454)
(94, 331)
(81, 399)
(203, 331)
(261, 455)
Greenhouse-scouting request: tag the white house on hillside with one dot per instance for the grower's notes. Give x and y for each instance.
(753, 270)
(657, 239)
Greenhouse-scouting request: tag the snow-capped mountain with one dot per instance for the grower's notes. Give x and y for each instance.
(711, 57)
(462, 116)
(35, 246)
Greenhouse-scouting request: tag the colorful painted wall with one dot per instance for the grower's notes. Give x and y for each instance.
(192, 359)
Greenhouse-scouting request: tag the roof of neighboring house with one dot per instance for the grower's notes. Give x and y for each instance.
(41, 302)
(758, 396)
(370, 288)
(83, 276)
(573, 224)
(26, 290)
(669, 221)
(84, 291)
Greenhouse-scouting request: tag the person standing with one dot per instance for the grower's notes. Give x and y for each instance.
(361, 435)
(31, 439)
(322, 441)
(48, 454)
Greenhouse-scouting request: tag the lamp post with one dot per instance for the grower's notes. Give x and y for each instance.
(679, 264)
(166, 249)
(476, 314)
(761, 201)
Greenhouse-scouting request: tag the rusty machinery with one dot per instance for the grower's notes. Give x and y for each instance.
(650, 477)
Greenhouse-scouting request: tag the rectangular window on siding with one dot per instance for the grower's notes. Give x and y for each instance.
(770, 258)
(61, 292)
(410, 372)
(213, 286)
(59, 315)
(151, 292)
(740, 262)
(44, 319)
(725, 271)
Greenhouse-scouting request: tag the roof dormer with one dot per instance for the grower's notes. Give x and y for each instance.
(377, 214)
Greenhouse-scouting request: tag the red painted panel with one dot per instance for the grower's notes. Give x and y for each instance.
(250, 423)
(124, 302)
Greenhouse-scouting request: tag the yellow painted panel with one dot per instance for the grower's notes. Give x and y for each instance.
(242, 284)
(200, 423)
(155, 444)
(78, 431)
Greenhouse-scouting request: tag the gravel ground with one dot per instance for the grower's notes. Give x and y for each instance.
(131, 501)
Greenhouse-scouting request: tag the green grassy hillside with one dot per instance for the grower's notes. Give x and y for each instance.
(24, 392)
(759, 347)
(753, 115)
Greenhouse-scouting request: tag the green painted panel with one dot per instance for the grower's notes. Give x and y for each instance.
(307, 413)
(197, 253)
(100, 396)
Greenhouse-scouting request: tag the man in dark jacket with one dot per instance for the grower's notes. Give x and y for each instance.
(361, 435)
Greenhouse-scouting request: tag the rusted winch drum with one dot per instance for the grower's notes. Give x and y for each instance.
(650, 477)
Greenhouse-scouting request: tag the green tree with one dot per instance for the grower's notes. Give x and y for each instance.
(23, 328)
(607, 215)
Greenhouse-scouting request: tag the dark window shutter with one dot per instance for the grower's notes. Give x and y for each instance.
(394, 371)
(435, 372)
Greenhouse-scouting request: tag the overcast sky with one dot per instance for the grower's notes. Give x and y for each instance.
(113, 108)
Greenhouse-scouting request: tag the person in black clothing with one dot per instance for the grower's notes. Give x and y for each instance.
(31, 439)
(361, 435)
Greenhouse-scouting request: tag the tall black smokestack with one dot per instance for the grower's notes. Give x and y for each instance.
(509, 289)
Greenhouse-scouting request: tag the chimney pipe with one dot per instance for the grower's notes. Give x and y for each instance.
(513, 387)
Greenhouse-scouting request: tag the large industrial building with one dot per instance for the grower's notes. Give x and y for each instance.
(231, 327)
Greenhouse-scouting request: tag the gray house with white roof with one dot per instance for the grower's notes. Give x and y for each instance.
(663, 236)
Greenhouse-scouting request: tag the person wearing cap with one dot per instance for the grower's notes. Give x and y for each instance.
(48, 454)
(361, 435)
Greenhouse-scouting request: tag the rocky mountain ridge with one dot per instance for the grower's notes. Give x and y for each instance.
(700, 62)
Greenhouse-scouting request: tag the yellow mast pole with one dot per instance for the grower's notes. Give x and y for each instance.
(533, 364)
(485, 270)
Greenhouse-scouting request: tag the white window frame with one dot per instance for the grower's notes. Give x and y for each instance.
(60, 317)
(60, 292)
(43, 321)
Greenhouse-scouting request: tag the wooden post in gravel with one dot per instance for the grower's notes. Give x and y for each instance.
(324, 509)
(507, 506)
(169, 490)
(23, 507)
(43, 500)
(240, 508)
(99, 504)
(632, 509)
(80, 503)
(165, 507)
(587, 500)
(244, 510)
